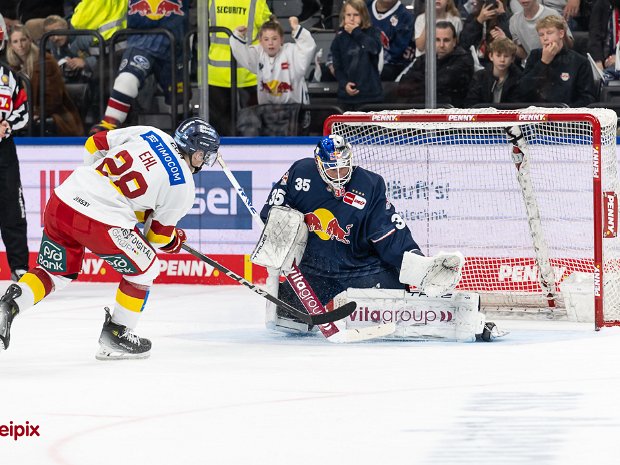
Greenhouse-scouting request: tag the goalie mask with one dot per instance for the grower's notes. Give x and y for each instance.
(196, 134)
(334, 160)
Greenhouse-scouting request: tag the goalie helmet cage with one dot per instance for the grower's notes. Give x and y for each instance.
(529, 196)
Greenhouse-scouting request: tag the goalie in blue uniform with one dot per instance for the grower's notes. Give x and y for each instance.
(354, 239)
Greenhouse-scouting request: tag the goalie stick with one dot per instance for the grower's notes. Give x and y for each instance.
(323, 319)
(521, 159)
(332, 332)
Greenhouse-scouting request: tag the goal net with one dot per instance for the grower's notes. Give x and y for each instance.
(529, 196)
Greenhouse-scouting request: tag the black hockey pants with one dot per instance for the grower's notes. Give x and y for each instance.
(13, 227)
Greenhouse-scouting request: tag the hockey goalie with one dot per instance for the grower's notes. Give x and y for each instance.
(333, 219)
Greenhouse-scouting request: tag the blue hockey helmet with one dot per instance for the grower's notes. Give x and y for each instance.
(334, 160)
(196, 134)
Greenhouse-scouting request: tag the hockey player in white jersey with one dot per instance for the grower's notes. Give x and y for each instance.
(131, 175)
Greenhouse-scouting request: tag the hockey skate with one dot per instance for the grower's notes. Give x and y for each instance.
(118, 342)
(490, 332)
(8, 310)
(17, 274)
(286, 323)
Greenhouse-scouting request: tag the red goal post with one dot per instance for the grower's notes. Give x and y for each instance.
(529, 196)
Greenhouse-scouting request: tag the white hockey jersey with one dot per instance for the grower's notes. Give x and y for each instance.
(131, 174)
(281, 79)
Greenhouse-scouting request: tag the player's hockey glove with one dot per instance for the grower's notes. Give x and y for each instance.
(177, 241)
(434, 276)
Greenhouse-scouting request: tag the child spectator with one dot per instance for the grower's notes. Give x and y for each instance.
(356, 50)
(554, 73)
(395, 23)
(23, 55)
(445, 10)
(280, 68)
(71, 53)
(499, 81)
(523, 26)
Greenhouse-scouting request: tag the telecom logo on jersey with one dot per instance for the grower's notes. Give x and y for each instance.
(325, 225)
(217, 205)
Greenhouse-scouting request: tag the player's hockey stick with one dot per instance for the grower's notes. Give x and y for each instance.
(298, 282)
(321, 319)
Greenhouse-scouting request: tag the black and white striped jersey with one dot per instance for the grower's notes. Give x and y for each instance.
(13, 99)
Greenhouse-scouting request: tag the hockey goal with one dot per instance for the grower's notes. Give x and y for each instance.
(529, 196)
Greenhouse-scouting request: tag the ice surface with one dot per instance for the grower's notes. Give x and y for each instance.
(219, 389)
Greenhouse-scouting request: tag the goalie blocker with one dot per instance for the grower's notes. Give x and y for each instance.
(452, 317)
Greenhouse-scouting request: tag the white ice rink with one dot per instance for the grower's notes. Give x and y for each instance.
(219, 389)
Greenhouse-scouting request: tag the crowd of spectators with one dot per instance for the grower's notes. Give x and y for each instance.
(487, 51)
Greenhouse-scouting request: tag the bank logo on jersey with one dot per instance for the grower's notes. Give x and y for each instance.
(168, 157)
(52, 256)
(326, 226)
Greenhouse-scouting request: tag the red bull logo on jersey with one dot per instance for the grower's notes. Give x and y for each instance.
(275, 87)
(155, 9)
(325, 225)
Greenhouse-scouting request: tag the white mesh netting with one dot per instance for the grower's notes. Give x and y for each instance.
(451, 175)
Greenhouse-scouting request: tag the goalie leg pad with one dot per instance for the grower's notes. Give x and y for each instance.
(454, 317)
(283, 240)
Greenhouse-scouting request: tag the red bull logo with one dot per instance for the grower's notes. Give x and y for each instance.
(155, 9)
(275, 87)
(326, 226)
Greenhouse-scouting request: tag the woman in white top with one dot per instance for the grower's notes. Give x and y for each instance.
(445, 10)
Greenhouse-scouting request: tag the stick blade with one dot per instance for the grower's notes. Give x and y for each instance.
(335, 315)
(363, 334)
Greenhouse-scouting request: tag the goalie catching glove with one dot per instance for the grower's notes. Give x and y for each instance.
(283, 240)
(434, 276)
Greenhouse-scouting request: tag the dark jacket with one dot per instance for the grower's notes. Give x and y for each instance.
(567, 79)
(356, 59)
(472, 31)
(598, 43)
(483, 83)
(454, 73)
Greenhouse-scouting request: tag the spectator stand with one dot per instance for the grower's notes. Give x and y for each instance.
(79, 93)
(283, 10)
(161, 115)
(190, 88)
(517, 105)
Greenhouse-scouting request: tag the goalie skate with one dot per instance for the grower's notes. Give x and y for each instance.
(118, 342)
(490, 332)
(8, 310)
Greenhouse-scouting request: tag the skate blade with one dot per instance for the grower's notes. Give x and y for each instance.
(107, 355)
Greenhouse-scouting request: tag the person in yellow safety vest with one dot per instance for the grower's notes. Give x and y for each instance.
(231, 14)
(104, 16)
